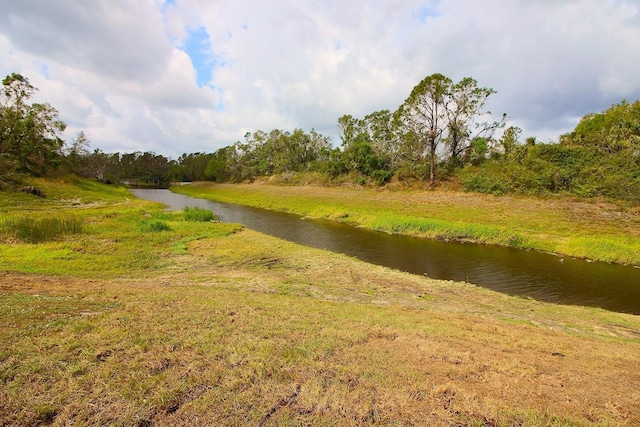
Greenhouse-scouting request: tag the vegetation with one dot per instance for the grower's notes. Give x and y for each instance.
(36, 229)
(198, 214)
(438, 111)
(441, 130)
(211, 324)
(29, 133)
(113, 311)
(600, 158)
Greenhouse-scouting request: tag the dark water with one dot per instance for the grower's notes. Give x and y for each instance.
(537, 275)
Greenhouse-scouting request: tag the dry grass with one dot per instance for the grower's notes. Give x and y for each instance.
(277, 334)
(236, 328)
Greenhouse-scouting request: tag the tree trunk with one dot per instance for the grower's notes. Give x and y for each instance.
(432, 167)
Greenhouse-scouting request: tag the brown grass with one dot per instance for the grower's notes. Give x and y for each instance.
(250, 330)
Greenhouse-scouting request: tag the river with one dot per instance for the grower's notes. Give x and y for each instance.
(544, 277)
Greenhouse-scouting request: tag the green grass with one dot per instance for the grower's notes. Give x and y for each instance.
(119, 233)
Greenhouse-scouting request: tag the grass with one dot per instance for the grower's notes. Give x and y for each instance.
(595, 230)
(213, 324)
(198, 214)
(36, 229)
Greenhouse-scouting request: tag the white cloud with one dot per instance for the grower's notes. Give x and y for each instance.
(121, 70)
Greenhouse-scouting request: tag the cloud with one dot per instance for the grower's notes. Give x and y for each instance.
(193, 75)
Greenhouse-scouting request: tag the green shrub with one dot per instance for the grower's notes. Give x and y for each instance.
(32, 229)
(485, 181)
(198, 214)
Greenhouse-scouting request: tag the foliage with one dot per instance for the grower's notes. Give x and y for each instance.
(29, 133)
(600, 158)
(360, 156)
(614, 130)
(424, 114)
(442, 128)
(439, 111)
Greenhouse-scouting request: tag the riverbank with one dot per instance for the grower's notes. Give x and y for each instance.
(594, 230)
(145, 318)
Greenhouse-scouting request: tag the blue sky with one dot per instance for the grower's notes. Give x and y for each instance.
(184, 76)
(198, 46)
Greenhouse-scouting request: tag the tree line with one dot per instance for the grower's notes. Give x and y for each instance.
(441, 132)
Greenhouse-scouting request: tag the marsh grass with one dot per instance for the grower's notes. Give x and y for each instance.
(444, 230)
(198, 214)
(37, 229)
(154, 226)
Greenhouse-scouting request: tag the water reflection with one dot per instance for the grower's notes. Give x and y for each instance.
(516, 272)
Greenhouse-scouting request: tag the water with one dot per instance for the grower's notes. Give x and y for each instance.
(543, 277)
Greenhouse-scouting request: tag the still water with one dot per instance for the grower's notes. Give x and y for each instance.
(532, 274)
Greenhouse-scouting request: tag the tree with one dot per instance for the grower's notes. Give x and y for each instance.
(100, 164)
(510, 140)
(29, 133)
(465, 130)
(438, 111)
(218, 166)
(77, 153)
(425, 114)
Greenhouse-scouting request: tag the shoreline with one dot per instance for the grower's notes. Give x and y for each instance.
(576, 229)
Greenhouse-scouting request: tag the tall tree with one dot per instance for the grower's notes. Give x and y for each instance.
(30, 134)
(439, 111)
(464, 117)
(425, 114)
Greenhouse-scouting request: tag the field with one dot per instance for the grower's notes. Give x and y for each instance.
(142, 317)
(583, 228)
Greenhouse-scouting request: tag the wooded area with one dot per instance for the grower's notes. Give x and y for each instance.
(441, 133)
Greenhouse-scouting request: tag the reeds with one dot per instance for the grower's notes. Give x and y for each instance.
(37, 229)
(198, 214)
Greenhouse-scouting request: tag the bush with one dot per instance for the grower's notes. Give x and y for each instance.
(40, 229)
(483, 182)
(381, 176)
(198, 214)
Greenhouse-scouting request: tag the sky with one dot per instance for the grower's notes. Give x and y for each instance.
(187, 76)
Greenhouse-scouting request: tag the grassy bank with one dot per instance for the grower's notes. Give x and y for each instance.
(201, 323)
(594, 230)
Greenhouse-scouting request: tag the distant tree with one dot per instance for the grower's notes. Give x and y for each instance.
(101, 165)
(348, 128)
(30, 134)
(510, 140)
(77, 153)
(193, 166)
(218, 166)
